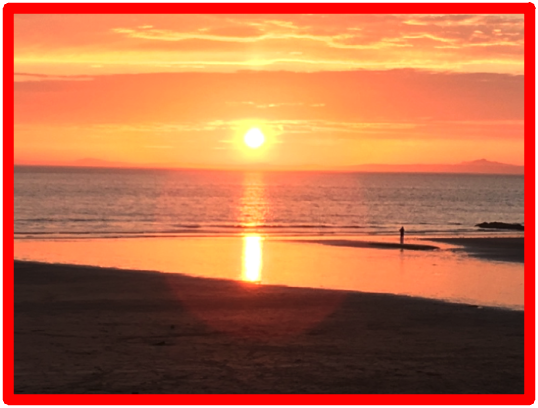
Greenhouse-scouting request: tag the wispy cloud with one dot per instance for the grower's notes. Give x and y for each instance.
(75, 44)
(337, 87)
(21, 76)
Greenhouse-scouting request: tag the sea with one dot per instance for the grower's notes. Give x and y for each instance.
(272, 228)
(69, 202)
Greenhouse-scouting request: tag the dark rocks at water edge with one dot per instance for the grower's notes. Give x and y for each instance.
(500, 225)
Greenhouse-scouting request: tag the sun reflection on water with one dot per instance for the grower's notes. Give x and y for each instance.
(253, 206)
(252, 212)
(252, 258)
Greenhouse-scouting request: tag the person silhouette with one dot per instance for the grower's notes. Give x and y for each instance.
(402, 231)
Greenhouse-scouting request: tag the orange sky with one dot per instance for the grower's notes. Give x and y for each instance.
(326, 90)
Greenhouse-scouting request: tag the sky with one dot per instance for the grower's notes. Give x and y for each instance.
(325, 90)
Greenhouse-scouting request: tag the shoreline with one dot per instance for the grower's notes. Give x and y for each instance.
(507, 249)
(383, 267)
(94, 268)
(369, 244)
(307, 235)
(82, 329)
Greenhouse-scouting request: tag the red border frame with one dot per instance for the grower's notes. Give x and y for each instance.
(528, 9)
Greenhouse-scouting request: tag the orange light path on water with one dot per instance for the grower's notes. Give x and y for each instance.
(252, 258)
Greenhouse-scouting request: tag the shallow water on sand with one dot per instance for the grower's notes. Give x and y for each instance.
(439, 274)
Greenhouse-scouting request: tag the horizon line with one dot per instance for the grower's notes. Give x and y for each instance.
(460, 168)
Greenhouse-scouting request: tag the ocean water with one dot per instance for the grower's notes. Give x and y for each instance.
(243, 225)
(55, 202)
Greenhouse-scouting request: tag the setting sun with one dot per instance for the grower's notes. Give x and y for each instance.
(254, 138)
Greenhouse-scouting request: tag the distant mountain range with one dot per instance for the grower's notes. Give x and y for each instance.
(481, 166)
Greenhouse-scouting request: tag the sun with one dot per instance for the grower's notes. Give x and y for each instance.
(254, 138)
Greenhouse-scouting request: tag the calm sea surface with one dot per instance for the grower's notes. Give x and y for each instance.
(168, 220)
(85, 202)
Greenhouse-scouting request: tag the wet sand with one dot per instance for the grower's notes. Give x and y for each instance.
(509, 249)
(94, 330)
(498, 249)
(369, 244)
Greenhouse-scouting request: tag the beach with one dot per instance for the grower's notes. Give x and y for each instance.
(508, 249)
(81, 329)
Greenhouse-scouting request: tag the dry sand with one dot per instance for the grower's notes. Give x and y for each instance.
(91, 330)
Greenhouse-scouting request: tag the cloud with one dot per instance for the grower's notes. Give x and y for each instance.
(385, 104)
(233, 31)
(23, 77)
(273, 104)
(77, 44)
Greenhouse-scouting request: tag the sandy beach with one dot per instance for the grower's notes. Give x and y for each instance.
(508, 249)
(95, 330)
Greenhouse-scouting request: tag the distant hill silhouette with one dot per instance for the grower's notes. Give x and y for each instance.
(481, 166)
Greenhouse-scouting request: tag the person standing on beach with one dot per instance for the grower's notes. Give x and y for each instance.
(402, 235)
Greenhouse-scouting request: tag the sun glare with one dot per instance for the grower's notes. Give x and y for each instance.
(254, 138)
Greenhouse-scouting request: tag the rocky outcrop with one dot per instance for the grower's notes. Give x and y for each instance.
(500, 225)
